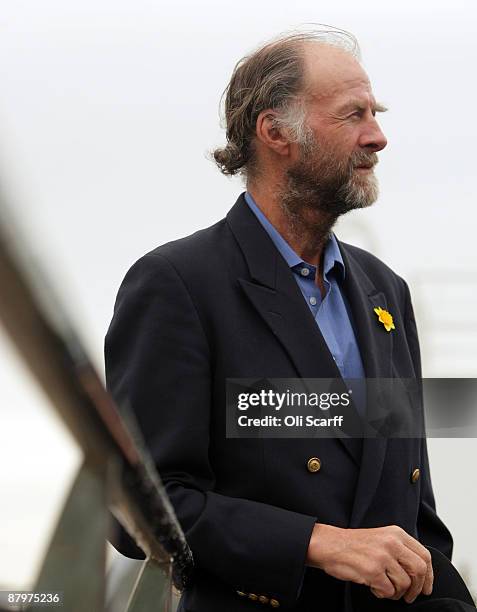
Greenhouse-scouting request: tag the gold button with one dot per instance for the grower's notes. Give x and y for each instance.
(415, 475)
(252, 596)
(242, 594)
(274, 602)
(263, 599)
(313, 465)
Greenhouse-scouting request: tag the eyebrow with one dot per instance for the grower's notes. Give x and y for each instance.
(380, 108)
(377, 107)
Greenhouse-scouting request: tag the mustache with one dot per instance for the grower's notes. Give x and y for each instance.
(361, 158)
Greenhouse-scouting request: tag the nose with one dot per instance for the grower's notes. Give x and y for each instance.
(372, 137)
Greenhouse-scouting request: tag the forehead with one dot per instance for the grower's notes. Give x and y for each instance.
(333, 75)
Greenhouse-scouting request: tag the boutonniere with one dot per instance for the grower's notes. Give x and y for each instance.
(385, 318)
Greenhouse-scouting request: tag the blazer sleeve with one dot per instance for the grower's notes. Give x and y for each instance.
(431, 530)
(158, 364)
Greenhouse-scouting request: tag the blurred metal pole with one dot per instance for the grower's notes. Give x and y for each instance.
(41, 331)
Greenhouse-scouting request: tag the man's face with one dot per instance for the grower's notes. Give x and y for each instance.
(333, 166)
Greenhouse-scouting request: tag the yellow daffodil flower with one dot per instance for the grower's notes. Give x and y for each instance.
(385, 318)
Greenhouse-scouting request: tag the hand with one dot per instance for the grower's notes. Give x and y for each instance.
(387, 559)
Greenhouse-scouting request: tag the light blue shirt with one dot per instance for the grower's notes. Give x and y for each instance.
(332, 312)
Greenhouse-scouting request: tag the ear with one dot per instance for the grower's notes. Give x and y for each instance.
(270, 134)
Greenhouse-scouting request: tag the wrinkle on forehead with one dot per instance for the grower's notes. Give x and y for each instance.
(331, 71)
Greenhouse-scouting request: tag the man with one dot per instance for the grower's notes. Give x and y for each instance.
(270, 292)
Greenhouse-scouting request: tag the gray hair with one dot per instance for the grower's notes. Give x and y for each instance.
(272, 77)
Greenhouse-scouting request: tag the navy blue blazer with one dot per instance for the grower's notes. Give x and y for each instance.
(222, 303)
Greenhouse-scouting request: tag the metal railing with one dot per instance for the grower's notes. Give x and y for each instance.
(117, 476)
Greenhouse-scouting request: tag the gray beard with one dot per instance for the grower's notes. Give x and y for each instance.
(307, 226)
(313, 205)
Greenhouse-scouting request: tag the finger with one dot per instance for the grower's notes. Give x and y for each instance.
(425, 555)
(416, 569)
(382, 587)
(429, 580)
(400, 578)
(426, 586)
(415, 589)
(419, 549)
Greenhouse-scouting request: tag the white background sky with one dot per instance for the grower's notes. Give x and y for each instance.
(107, 110)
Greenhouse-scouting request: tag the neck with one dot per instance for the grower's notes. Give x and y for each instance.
(305, 228)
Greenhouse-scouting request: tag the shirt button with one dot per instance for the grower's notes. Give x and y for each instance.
(305, 271)
(313, 300)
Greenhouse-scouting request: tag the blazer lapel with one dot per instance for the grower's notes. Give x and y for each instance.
(375, 343)
(376, 352)
(276, 296)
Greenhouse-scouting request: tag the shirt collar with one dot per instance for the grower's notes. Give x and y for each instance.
(331, 254)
